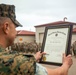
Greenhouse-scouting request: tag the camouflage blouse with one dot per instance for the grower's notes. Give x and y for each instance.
(16, 63)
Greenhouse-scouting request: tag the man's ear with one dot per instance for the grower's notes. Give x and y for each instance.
(6, 27)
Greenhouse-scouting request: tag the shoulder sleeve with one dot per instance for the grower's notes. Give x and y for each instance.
(40, 70)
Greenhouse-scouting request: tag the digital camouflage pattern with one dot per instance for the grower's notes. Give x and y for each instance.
(9, 11)
(27, 47)
(16, 63)
(74, 48)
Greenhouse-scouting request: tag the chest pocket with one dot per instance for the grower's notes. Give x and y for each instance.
(17, 65)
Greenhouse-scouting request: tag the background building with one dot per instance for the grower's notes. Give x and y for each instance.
(40, 29)
(25, 36)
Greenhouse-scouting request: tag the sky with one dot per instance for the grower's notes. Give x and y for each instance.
(36, 12)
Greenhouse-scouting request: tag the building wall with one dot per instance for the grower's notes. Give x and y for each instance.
(74, 26)
(25, 39)
(39, 34)
(73, 38)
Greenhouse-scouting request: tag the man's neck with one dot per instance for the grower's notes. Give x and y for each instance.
(1, 48)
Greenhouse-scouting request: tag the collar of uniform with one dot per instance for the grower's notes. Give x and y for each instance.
(1, 49)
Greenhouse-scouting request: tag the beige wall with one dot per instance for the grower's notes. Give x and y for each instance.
(25, 39)
(73, 35)
(41, 35)
(73, 38)
(74, 26)
(39, 31)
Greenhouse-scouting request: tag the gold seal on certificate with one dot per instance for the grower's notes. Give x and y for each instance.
(56, 41)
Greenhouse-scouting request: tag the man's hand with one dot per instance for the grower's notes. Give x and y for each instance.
(38, 55)
(62, 70)
(67, 60)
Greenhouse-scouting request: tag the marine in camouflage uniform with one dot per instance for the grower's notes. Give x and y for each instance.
(26, 47)
(74, 48)
(17, 63)
(14, 63)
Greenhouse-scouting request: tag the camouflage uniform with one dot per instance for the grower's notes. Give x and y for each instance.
(9, 11)
(74, 48)
(13, 63)
(25, 47)
(16, 64)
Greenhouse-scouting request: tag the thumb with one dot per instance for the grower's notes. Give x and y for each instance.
(63, 57)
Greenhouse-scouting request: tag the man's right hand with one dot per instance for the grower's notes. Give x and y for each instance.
(67, 60)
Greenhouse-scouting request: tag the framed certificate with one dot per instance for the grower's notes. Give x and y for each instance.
(56, 41)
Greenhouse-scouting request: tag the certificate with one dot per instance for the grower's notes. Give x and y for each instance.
(56, 41)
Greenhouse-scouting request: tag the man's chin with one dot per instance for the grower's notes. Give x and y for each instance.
(11, 43)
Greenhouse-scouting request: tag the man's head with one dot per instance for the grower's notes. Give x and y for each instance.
(8, 23)
(9, 12)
